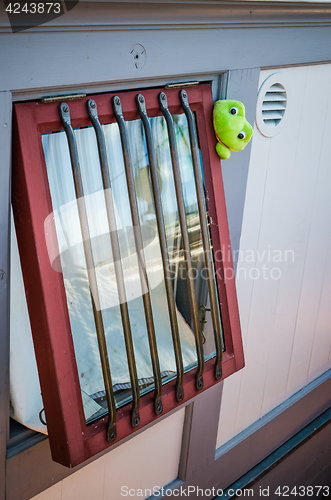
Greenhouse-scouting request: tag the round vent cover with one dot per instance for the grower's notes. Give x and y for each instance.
(273, 105)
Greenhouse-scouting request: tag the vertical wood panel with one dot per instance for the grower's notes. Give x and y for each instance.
(319, 361)
(286, 168)
(320, 241)
(5, 145)
(312, 225)
(141, 462)
(285, 322)
(261, 310)
(149, 459)
(249, 240)
(320, 355)
(199, 440)
(242, 85)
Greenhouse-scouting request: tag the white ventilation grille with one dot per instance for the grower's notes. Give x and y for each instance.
(272, 105)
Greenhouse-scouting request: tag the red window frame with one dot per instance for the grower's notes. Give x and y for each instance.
(71, 440)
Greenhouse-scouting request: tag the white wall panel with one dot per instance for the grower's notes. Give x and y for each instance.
(285, 310)
(320, 355)
(148, 460)
(313, 210)
(249, 239)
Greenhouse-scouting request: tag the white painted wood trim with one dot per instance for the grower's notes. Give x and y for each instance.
(5, 184)
(98, 15)
(259, 424)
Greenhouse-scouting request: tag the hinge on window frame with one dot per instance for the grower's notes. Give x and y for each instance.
(60, 98)
(181, 84)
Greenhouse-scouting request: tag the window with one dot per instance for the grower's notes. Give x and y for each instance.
(122, 230)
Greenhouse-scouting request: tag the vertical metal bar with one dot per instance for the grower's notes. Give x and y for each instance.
(204, 233)
(186, 244)
(65, 117)
(5, 192)
(117, 107)
(164, 249)
(93, 114)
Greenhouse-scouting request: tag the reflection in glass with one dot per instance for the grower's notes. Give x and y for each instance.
(64, 243)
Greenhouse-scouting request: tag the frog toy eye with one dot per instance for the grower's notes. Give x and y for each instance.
(241, 135)
(234, 111)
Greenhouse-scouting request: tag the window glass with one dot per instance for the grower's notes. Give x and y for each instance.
(67, 255)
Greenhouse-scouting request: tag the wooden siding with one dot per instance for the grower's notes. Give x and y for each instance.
(124, 466)
(287, 216)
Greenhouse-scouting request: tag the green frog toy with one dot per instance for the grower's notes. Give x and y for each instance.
(232, 130)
